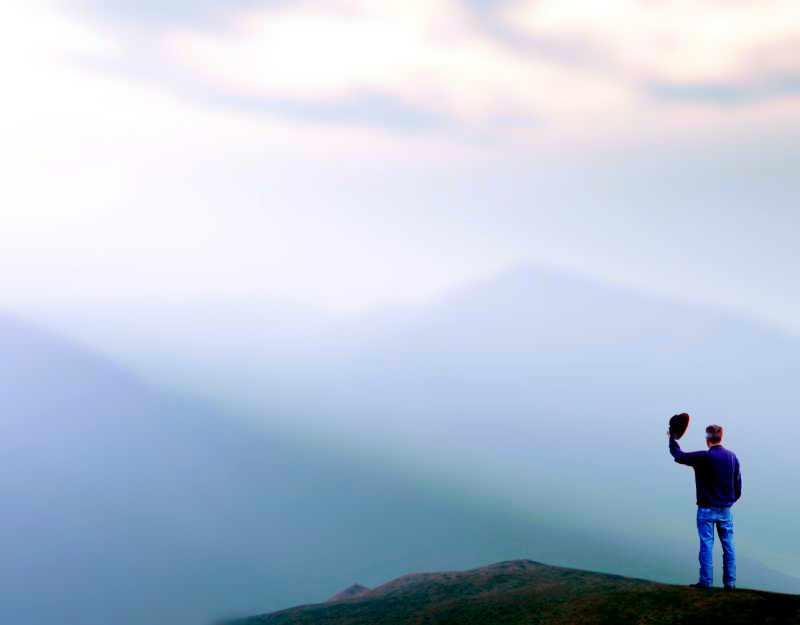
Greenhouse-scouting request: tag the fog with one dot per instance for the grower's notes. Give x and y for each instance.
(542, 397)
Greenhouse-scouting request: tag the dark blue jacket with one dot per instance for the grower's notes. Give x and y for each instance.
(716, 474)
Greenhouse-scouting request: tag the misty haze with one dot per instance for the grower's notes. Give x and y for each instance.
(365, 312)
(519, 416)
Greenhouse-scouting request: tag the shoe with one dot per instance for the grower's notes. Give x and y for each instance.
(698, 586)
(730, 587)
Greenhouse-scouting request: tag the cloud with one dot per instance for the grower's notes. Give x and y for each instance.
(432, 56)
(702, 41)
(555, 63)
(725, 93)
(147, 14)
(124, 189)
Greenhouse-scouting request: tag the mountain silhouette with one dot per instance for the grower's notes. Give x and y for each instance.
(133, 506)
(521, 592)
(524, 414)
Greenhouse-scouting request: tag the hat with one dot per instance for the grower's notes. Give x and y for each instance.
(678, 425)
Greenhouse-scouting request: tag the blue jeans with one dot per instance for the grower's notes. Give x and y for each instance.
(706, 519)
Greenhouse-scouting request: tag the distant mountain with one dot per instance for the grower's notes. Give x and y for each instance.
(524, 414)
(520, 592)
(349, 592)
(554, 390)
(127, 505)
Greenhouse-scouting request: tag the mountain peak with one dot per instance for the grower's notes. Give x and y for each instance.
(349, 592)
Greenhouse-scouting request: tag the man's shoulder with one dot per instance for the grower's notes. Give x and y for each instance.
(729, 453)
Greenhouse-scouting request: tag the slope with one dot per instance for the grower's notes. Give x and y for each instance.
(523, 592)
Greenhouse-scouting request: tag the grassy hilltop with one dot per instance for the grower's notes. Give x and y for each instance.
(523, 592)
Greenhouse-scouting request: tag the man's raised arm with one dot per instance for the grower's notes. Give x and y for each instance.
(682, 457)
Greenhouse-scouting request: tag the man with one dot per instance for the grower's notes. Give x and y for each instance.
(719, 486)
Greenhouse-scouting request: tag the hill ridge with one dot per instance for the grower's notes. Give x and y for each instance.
(348, 593)
(523, 592)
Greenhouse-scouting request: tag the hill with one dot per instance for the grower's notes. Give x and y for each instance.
(524, 592)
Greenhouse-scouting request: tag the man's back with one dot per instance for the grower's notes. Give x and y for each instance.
(717, 476)
(719, 486)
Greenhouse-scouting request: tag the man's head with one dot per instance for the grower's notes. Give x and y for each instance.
(713, 435)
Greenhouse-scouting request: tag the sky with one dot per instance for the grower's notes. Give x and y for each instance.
(353, 154)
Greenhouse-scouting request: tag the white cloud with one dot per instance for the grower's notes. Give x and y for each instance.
(674, 40)
(435, 56)
(116, 189)
(430, 55)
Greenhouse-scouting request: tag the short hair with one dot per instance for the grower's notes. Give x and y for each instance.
(714, 434)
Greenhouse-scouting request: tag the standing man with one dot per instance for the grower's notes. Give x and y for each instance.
(719, 486)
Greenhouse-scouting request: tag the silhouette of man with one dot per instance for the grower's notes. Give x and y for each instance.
(719, 486)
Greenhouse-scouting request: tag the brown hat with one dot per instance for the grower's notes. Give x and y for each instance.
(678, 425)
